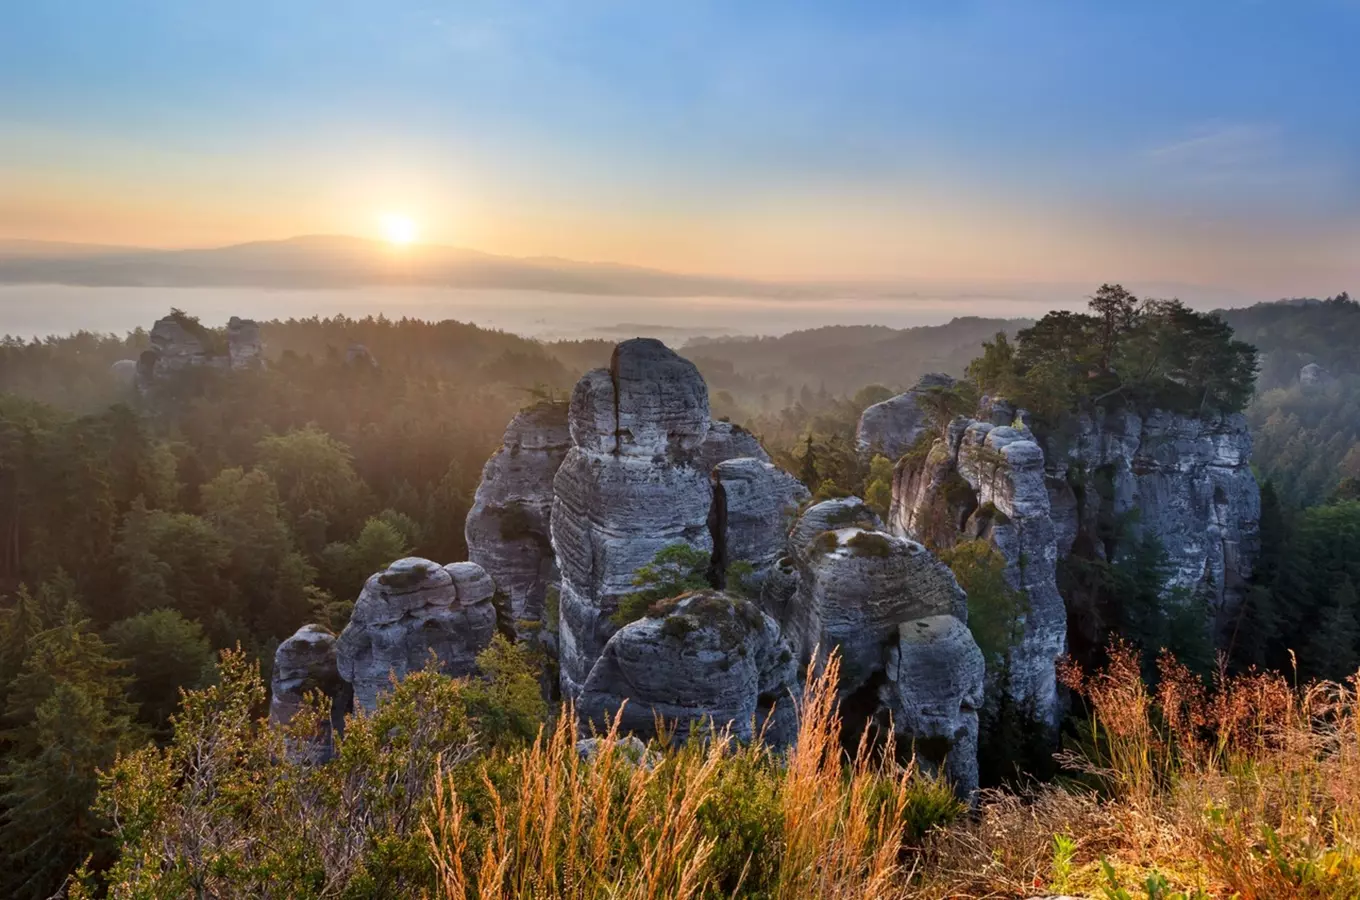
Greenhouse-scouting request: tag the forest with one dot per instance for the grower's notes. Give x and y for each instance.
(155, 550)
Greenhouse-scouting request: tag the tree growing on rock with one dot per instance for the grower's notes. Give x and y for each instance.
(674, 570)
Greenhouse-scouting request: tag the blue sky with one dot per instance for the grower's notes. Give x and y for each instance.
(1213, 141)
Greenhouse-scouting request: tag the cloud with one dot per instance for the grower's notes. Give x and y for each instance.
(1220, 147)
(1242, 164)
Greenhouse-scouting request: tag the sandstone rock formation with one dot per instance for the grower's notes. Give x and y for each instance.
(508, 529)
(124, 371)
(707, 658)
(411, 611)
(933, 691)
(1314, 375)
(986, 480)
(885, 604)
(727, 441)
(855, 587)
(359, 355)
(1189, 479)
(891, 427)
(754, 504)
(1038, 498)
(632, 484)
(304, 662)
(245, 347)
(644, 468)
(179, 344)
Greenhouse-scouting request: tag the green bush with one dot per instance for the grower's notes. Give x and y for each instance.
(870, 543)
(674, 570)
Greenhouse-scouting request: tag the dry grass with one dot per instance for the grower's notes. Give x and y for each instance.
(609, 827)
(1249, 789)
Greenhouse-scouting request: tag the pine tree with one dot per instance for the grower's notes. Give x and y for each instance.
(807, 473)
(67, 717)
(1331, 651)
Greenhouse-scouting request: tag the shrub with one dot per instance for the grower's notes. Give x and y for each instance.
(674, 570)
(870, 543)
(826, 542)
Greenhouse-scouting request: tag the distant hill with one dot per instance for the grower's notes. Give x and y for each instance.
(321, 261)
(844, 358)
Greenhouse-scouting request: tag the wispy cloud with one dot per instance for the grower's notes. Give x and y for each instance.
(1221, 146)
(1246, 160)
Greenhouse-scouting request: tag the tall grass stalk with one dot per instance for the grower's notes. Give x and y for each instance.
(612, 826)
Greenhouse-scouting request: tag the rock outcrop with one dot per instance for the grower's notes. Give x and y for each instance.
(509, 532)
(856, 586)
(303, 663)
(124, 371)
(754, 504)
(1039, 498)
(409, 613)
(706, 659)
(897, 618)
(986, 480)
(180, 344)
(891, 427)
(1314, 375)
(642, 467)
(245, 347)
(1186, 480)
(359, 356)
(933, 692)
(632, 484)
(727, 441)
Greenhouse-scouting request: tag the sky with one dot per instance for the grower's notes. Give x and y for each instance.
(1208, 142)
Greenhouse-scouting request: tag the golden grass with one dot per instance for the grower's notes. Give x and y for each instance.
(611, 827)
(1249, 789)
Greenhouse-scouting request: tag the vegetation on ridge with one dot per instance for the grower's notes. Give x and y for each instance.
(1149, 353)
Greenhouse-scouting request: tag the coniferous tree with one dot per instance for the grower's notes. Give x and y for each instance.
(1331, 652)
(66, 717)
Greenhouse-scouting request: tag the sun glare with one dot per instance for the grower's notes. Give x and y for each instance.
(399, 229)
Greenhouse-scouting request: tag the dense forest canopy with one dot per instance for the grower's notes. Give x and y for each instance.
(1306, 421)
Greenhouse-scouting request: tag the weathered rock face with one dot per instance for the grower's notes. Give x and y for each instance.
(1313, 375)
(176, 348)
(647, 469)
(358, 355)
(412, 609)
(245, 347)
(856, 586)
(711, 658)
(124, 371)
(508, 529)
(754, 503)
(173, 349)
(1188, 478)
(304, 662)
(983, 480)
(1184, 479)
(891, 427)
(632, 484)
(934, 689)
(727, 441)
(897, 618)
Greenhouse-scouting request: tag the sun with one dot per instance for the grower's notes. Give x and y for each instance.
(399, 229)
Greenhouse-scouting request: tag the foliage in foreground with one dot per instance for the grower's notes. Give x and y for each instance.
(1248, 789)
